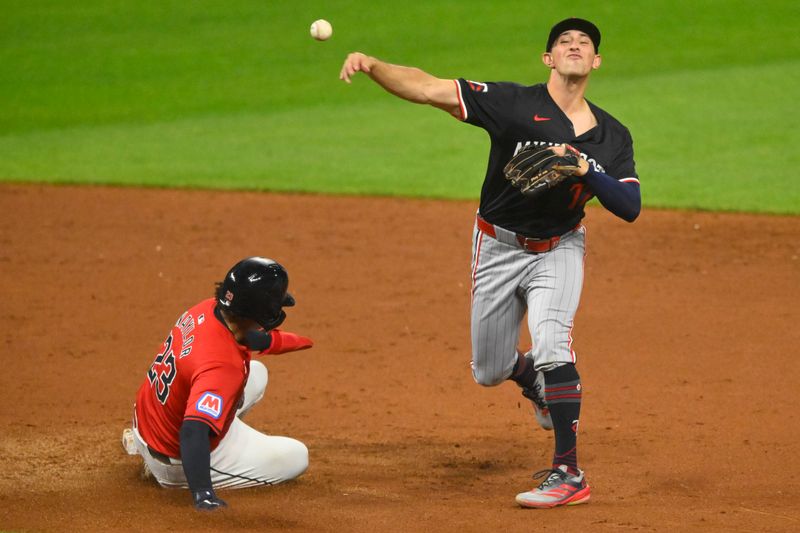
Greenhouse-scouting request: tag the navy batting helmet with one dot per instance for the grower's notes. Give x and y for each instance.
(256, 288)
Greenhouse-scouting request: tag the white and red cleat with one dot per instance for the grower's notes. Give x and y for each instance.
(559, 488)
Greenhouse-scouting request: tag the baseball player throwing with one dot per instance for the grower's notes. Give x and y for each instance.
(551, 151)
(187, 417)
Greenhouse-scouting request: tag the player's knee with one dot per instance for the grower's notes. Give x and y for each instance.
(288, 460)
(300, 457)
(486, 377)
(258, 376)
(297, 457)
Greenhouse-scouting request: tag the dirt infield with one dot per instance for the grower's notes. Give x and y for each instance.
(686, 336)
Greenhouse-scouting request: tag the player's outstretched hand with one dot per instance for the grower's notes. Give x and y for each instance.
(207, 500)
(355, 62)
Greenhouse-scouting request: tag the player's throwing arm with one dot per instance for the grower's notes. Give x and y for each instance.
(408, 83)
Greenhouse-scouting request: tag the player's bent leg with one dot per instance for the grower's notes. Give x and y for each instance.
(255, 387)
(244, 458)
(491, 367)
(248, 458)
(497, 309)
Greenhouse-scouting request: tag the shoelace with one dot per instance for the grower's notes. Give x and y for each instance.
(534, 394)
(552, 476)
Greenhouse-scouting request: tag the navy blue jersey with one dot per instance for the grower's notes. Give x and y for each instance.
(514, 116)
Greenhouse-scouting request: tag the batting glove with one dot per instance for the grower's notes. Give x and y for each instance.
(206, 500)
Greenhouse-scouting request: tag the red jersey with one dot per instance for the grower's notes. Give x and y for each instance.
(199, 374)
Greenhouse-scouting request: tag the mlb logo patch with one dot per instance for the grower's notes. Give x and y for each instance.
(210, 404)
(478, 87)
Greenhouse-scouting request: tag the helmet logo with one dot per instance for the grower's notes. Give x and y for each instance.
(229, 296)
(252, 278)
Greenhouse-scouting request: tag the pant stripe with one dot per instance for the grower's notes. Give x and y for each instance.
(475, 267)
(234, 477)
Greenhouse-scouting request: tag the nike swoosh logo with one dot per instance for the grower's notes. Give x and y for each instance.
(537, 118)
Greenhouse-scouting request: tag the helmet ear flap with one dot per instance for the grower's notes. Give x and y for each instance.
(274, 322)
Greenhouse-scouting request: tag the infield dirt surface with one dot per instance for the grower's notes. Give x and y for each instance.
(686, 336)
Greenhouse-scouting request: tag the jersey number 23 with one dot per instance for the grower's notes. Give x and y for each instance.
(162, 371)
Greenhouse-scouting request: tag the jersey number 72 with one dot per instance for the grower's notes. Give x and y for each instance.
(162, 371)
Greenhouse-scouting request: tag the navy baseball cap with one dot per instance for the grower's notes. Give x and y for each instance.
(574, 24)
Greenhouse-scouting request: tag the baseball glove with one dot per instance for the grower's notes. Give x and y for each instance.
(535, 169)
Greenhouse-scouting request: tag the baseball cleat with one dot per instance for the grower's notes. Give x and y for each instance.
(536, 395)
(127, 442)
(559, 488)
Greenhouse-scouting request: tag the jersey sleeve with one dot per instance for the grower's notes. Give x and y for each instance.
(484, 104)
(623, 168)
(213, 395)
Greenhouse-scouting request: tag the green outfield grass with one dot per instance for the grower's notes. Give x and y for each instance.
(237, 95)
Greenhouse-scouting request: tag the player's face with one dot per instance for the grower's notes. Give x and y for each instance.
(572, 55)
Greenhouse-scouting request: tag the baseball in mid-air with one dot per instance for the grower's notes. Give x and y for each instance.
(321, 30)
